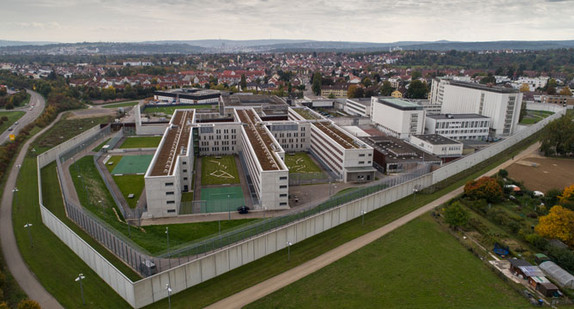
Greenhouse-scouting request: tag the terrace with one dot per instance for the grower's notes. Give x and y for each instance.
(334, 133)
(175, 143)
(260, 140)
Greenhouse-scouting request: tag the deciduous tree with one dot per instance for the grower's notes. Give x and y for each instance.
(484, 188)
(455, 215)
(559, 223)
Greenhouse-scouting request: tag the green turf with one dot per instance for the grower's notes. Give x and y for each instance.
(114, 160)
(63, 130)
(141, 142)
(300, 162)
(100, 146)
(51, 261)
(169, 110)
(130, 184)
(122, 104)
(533, 117)
(132, 164)
(12, 117)
(222, 199)
(401, 270)
(219, 170)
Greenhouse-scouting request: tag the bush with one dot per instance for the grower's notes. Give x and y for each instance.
(484, 188)
(536, 240)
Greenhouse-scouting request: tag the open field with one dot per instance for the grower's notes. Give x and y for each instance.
(542, 173)
(122, 104)
(300, 162)
(132, 164)
(401, 270)
(533, 117)
(219, 170)
(12, 117)
(170, 109)
(52, 262)
(130, 184)
(64, 130)
(141, 142)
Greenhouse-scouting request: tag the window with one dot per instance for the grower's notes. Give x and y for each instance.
(361, 162)
(283, 187)
(283, 204)
(361, 155)
(283, 195)
(283, 178)
(170, 202)
(184, 178)
(170, 193)
(184, 163)
(185, 171)
(169, 184)
(171, 210)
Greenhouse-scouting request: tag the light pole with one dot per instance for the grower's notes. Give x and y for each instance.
(289, 251)
(80, 278)
(363, 215)
(415, 190)
(168, 256)
(28, 226)
(228, 208)
(168, 288)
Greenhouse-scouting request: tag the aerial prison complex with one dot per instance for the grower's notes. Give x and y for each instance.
(261, 129)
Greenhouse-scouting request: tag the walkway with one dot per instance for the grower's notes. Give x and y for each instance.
(269, 286)
(14, 261)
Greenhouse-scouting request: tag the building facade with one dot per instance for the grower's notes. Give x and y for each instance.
(458, 126)
(397, 117)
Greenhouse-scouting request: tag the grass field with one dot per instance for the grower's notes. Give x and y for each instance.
(130, 184)
(222, 199)
(141, 142)
(114, 160)
(219, 170)
(12, 117)
(170, 109)
(64, 130)
(401, 270)
(300, 162)
(99, 147)
(122, 104)
(533, 117)
(132, 164)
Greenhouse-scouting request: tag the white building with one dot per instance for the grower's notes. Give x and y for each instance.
(458, 126)
(532, 82)
(187, 96)
(438, 145)
(397, 117)
(501, 105)
(360, 107)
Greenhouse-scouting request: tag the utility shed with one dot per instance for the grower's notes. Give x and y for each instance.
(516, 265)
(560, 276)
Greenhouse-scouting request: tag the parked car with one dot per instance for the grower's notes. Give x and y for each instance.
(243, 209)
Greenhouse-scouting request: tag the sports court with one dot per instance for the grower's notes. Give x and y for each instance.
(133, 164)
(222, 199)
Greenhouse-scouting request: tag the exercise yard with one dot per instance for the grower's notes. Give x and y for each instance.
(141, 142)
(131, 164)
(219, 170)
(222, 199)
(301, 162)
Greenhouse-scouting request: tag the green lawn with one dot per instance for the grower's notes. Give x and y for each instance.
(99, 147)
(114, 160)
(141, 142)
(170, 109)
(300, 162)
(533, 117)
(130, 184)
(122, 104)
(64, 130)
(219, 170)
(51, 261)
(12, 117)
(401, 270)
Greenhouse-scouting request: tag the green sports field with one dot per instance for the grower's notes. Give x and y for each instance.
(219, 170)
(300, 162)
(222, 199)
(141, 142)
(131, 164)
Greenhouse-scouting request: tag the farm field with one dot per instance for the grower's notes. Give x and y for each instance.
(401, 270)
(301, 162)
(542, 173)
(219, 170)
(12, 117)
(141, 142)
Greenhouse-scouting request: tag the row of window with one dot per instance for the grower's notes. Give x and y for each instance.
(218, 137)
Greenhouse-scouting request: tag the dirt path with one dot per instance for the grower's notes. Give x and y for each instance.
(25, 278)
(271, 285)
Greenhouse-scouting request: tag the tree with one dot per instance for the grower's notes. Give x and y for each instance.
(366, 82)
(316, 83)
(524, 87)
(386, 89)
(559, 223)
(455, 215)
(28, 304)
(565, 91)
(558, 137)
(510, 72)
(243, 82)
(567, 197)
(416, 75)
(550, 87)
(355, 91)
(417, 90)
(523, 111)
(489, 79)
(486, 188)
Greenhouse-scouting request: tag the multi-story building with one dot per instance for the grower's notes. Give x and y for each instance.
(360, 107)
(458, 126)
(187, 96)
(557, 99)
(338, 91)
(501, 105)
(440, 146)
(397, 117)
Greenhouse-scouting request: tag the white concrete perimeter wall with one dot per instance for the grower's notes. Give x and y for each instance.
(51, 154)
(187, 275)
(543, 107)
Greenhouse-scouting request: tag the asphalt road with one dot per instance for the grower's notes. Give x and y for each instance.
(38, 102)
(14, 261)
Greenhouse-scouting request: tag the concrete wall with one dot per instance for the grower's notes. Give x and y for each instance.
(51, 154)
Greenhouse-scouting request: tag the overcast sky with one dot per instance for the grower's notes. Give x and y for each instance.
(334, 20)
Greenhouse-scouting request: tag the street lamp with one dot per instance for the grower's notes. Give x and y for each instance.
(168, 256)
(80, 278)
(363, 212)
(28, 226)
(168, 288)
(415, 190)
(15, 190)
(289, 251)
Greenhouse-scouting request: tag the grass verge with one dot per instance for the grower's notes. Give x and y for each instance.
(300, 162)
(12, 117)
(141, 142)
(122, 104)
(130, 184)
(219, 170)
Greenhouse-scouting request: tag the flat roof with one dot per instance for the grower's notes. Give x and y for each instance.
(397, 150)
(456, 116)
(250, 100)
(362, 101)
(483, 87)
(306, 113)
(335, 134)
(175, 142)
(436, 139)
(400, 104)
(260, 140)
